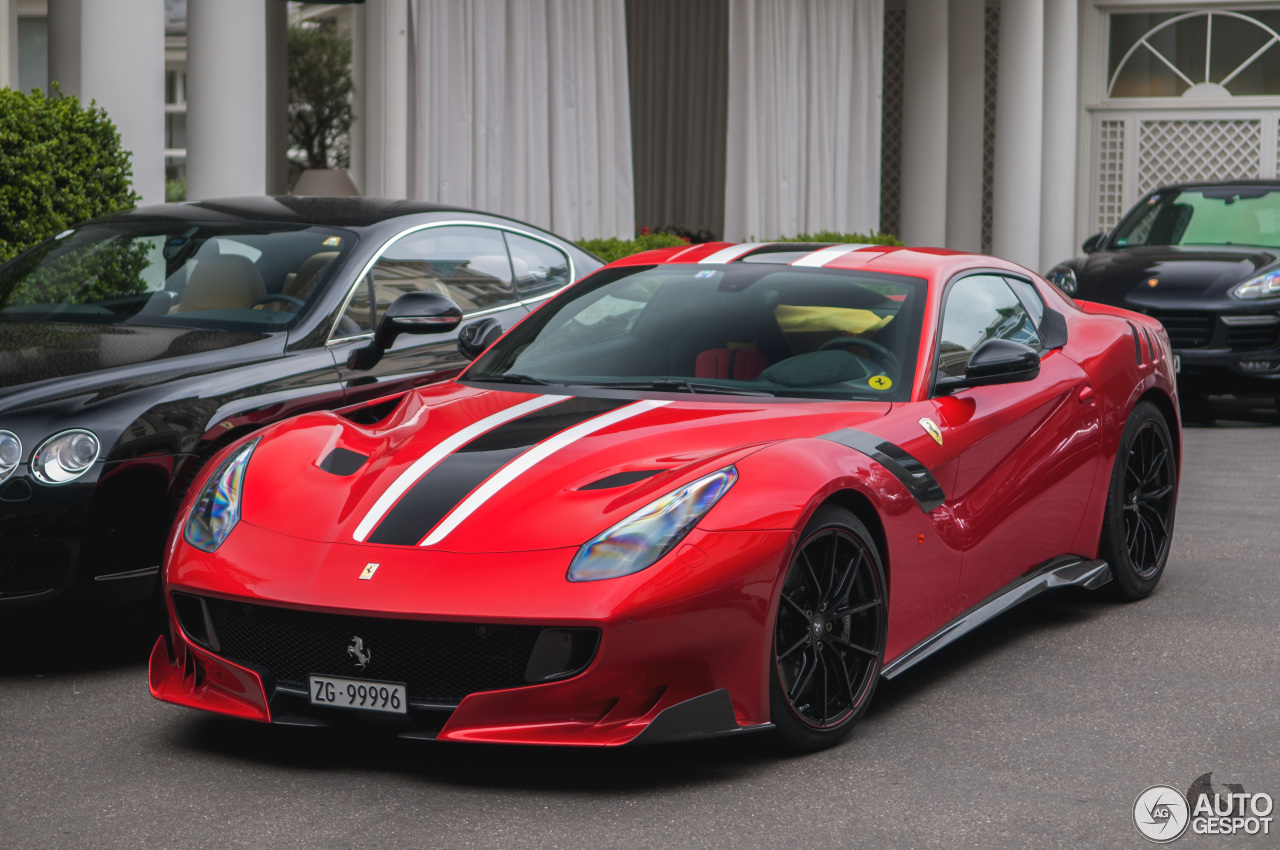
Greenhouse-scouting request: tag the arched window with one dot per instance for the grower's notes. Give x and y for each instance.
(1195, 54)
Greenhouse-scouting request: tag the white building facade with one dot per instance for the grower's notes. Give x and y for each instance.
(1017, 127)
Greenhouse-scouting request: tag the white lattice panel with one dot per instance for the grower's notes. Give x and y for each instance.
(1180, 151)
(895, 42)
(1110, 174)
(991, 49)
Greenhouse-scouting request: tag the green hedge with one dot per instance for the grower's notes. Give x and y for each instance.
(615, 249)
(60, 163)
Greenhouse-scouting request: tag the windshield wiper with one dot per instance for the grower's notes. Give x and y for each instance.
(518, 378)
(678, 385)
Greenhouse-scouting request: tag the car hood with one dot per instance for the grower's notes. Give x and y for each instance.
(463, 469)
(1182, 273)
(42, 358)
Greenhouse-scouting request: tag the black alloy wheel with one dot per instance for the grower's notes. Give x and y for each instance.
(1138, 526)
(829, 635)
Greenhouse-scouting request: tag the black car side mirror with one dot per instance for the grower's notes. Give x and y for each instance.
(996, 361)
(411, 313)
(477, 336)
(1093, 243)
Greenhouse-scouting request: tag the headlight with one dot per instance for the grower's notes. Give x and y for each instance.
(10, 453)
(1063, 277)
(217, 508)
(641, 539)
(1263, 286)
(64, 457)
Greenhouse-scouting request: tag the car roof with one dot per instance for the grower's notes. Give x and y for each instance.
(1206, 184)
(296, 209)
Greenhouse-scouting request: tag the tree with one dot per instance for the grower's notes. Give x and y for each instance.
(60, 163)
(320, 88)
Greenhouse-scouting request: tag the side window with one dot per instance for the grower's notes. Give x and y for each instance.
(1030, 298)
(468, 264)
(977, 309)
(538, 267)
(357, 318)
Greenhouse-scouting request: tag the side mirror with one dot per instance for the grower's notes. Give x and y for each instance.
(477, 336)
(411, 313)
(1093, 243)
(997, 361)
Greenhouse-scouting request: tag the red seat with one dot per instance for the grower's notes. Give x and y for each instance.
(739, 364)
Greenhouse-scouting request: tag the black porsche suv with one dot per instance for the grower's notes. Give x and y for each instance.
(1204, 259)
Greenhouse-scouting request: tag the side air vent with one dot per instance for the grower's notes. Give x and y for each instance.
(342, 461)
(621, 479)
(1137, 343)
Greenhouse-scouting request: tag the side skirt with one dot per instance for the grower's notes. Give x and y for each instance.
(1064, 571)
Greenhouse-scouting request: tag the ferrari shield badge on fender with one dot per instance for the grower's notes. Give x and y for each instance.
(931, 428)
(370, 569)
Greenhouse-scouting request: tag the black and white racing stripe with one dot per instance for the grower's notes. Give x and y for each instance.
(458, 476)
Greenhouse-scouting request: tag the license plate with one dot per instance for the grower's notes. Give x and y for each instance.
(359, 694)
(1177, 364)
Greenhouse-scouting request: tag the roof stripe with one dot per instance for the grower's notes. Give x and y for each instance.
(822, 256)
(442, 450)
(521, 464)
(733, 252)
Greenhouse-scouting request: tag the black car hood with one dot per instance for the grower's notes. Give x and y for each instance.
(43, 352)
(1182, 273)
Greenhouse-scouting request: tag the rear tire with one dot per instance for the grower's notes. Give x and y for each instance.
(1141, 502)
(829, 632)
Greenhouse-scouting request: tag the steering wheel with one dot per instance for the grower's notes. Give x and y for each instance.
(280, 296)
(880, 354)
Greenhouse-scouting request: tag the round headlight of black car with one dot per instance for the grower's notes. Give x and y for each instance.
(1063, 277)
(10, 453)
(64, 457)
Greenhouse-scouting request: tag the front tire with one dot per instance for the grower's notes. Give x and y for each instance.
(1138, 525)
(829, 632)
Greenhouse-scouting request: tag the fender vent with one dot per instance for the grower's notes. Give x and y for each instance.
(621, 479)
(342, 461)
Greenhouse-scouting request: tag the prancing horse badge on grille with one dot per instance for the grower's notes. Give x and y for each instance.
(357, 651)
(368, 571)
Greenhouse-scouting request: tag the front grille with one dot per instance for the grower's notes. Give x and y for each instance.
(1186, 329)
(439, 662)
(28, 570)
(1253, 337)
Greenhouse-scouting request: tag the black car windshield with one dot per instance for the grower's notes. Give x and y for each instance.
(740, 329)
(243, 276)
(1220, 215)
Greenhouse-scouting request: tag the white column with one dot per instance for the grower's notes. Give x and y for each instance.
(277, 97)
(1019, 133)
(386, 102)
(966, 58)
(122, 68)
(9, 43)
(64, 46)
(226, 98)
(360, 87)
(924, 124)
(1058, 183)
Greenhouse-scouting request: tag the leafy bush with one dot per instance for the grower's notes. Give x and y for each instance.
(839, 238)
(175, 190)
(60, 163)
(320, 86)
(615, 249)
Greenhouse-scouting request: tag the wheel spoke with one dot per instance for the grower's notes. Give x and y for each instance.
(796, 606)
(1155, 514)
(826, 675)
(803, 677)
(793, 647)
(1156, 466)
(1160, 493)
(815, 592)
(857, 609)
(847, 644)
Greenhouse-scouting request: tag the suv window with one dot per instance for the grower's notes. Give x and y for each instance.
(538, 267)
(977, 309)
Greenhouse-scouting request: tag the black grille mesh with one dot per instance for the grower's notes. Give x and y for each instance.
(438, 662)
(1186, 329)
(26, 573)
(1252, 337)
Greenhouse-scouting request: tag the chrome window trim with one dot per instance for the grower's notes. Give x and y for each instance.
(377, 255)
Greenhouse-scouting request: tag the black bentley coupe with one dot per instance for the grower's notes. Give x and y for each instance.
(1204, 259)
(134, 346)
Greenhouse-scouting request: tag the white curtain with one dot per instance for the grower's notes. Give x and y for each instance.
(522, 109)
(804, 117)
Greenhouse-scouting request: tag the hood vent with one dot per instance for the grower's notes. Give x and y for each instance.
(342, 462)
(621, 479)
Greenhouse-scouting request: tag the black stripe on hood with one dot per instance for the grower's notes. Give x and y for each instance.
(438, 492)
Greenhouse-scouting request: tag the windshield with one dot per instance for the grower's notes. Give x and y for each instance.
(245, 276)
(1226, 215)
(748, 329)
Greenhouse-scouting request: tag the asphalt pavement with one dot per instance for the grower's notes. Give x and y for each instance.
(1039, 730)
